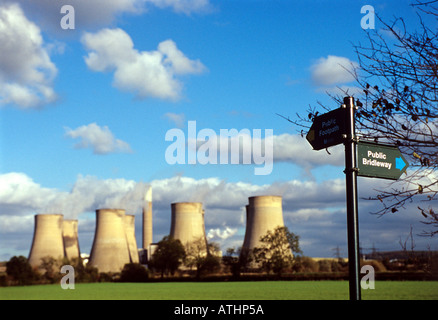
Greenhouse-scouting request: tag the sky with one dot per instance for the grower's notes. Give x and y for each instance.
(102, 99)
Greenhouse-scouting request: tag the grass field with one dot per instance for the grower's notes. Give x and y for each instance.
(259, 290)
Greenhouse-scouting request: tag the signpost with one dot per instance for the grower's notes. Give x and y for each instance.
(327, 129)
(351, 190)
(361, 158)
(380, 161)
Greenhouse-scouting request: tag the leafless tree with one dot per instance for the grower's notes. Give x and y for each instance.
(397, 102)
(399, 78)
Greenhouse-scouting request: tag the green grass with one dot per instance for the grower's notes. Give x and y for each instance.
(259, 290)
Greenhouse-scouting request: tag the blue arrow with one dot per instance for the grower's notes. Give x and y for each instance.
(399, 163)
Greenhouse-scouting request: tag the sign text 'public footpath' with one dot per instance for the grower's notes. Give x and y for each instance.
(327, 130)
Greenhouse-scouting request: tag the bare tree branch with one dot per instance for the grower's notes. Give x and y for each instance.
(398, 75)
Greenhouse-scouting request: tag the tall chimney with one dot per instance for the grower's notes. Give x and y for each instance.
(247, 233)
(147, 219)
(70, 236)
(109, 252)
(47, 238)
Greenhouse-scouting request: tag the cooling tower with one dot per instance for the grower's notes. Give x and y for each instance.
(187, 223)
(70, 237)
(129, 221)
(262, 214)
(47, 238)
(110, 247)
(245, 240)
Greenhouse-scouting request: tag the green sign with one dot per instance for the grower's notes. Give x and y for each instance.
(380, 161)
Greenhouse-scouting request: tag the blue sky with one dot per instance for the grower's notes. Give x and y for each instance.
(98, 120)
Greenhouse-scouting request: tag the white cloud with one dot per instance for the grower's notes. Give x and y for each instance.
(218, 233)
(314, 211)
(19, 194)
(291, 148)
(333, 70)
(26, 71)
(90, 193)
(12, 224)
(179, 63)
(177, 119)
(300, 215)
(100, 139)
(146, 73)
(296, 149)
(88, 14)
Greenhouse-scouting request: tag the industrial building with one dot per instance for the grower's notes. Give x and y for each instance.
(147, 245)
(71, 240)
(110, 251)
(263, 213)
(115, 244)
(187, 223)
(47, 238)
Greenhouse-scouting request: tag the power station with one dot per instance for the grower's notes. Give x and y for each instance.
(70, 237)
(263, 214)
(187, 222)
(47, 238)
(115, 243)
(110, 250)
(129, 222)
(147, 226)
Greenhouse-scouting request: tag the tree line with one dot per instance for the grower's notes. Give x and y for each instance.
(275, 254)
(278, 254)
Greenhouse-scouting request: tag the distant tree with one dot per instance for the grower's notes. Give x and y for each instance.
(246, 258)
(305, 264)
(237, 260)
(339, 265)
(324, 265)
(20, 269)
(168, 256)
(211, 264)
(134, 272)
(83, 273)
(201, 255)
(275, 252)
(231, 260)
(86, 273)
(51, 267)
(196, 251)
